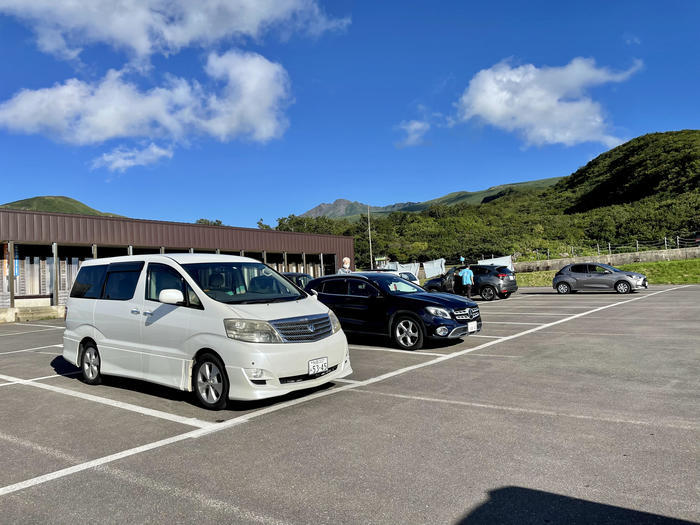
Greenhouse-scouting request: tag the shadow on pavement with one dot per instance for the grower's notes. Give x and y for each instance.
(65, 369)
(522, 506)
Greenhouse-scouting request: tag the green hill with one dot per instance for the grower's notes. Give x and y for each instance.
(55, 204)
(342, 208)
(643, 190)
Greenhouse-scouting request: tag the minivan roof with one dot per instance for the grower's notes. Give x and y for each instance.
(180, 258)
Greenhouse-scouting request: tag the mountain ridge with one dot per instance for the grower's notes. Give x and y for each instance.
(55, 204)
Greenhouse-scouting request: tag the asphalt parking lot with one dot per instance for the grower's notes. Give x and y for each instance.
(565, 409)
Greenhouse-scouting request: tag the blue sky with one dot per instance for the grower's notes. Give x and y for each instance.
(246, 109)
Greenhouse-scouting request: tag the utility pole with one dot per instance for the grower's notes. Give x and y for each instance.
(369, 230)
(665, 243)
(598, 248)
(609, 249)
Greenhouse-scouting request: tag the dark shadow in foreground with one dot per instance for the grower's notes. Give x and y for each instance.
(521, 506)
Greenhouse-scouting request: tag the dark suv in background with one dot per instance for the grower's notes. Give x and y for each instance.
(490, 281)
(385, 304)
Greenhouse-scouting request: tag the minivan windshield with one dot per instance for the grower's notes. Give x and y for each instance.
(242, 283)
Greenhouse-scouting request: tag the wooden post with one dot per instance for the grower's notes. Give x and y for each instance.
(11, 271)
(56, 272)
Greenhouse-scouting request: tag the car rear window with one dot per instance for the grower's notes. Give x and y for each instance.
(88, 283)
(505, 270)
(336, 287)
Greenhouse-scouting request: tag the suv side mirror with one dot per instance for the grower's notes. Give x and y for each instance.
(171, 296)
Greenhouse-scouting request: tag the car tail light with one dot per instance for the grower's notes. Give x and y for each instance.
(502, 275)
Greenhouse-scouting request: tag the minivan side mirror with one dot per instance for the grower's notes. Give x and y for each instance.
(171, 296)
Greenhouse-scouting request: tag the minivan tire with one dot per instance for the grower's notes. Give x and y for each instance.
(488, 293)
(563, 288)
(90, 365)
(407, 332)
(623, 287)
(210, 382)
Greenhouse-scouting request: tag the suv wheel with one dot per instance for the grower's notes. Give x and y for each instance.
(563, 288)
(407, 333)
(488, 293)
(623, 287)
(209, 382)
(90, 365)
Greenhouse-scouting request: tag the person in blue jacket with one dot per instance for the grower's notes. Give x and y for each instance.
(467, 281)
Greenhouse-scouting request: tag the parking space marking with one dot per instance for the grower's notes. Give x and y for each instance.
(351, 381)
(192, 422)
(508, 322)
(217, 427)
(682, 425)
(30, 349)
(42, 378)
(36, 324)
(486, 336)
(404, 352)
(549, 314)
(495, 355)
(27, 332)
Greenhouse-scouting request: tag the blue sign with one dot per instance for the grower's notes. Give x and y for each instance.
(16, 267)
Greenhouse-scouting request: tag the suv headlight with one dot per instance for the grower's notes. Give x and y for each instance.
(251, 331)
(438, 312)
(335, 324)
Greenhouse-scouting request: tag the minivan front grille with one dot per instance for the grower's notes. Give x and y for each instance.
(304, 329)
(467, 314)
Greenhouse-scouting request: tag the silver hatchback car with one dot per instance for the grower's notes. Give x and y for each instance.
(597, 276)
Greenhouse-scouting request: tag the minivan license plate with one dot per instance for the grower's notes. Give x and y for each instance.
(471, 326)
(316, 366)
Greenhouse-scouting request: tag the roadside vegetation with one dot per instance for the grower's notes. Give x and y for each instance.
(643, 190)
(685, 271)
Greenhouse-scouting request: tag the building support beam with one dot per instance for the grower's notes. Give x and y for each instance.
(94, 251)
(11, 271)
(303, 262)
(323, 272)
(242, 253)
(130, 250)
(286, 268)
(56, 273)
(264, 257)
(162, 250)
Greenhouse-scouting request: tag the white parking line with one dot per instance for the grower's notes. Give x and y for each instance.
(27, 332)
(683, 425)
(212, 428)
(487, 336)
(404, 352)
(50, 326)
(527, 313)
(30, 349)
(21, 381)
(193, 422)
(493, 355)
(508, 322)
(351, 381)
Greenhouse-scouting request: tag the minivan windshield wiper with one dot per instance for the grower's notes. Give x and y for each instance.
(267, 300)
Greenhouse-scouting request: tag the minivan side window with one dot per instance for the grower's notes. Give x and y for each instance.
(121, 285)
(162, 277)
(88, 283)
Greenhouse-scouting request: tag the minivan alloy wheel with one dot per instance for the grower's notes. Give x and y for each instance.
(90, 365)
(210, 382)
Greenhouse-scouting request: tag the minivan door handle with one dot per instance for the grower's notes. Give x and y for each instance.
(147, 313)
(135, 311)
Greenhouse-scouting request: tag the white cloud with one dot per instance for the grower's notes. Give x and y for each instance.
(250, 104)
(145, 27)
(121, 158)
(415, 130)
(546, 105)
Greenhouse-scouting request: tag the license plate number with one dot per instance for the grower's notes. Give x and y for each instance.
(316, 366)
(472, 326)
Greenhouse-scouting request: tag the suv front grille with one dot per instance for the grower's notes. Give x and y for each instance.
(467, 314)
(304, 329)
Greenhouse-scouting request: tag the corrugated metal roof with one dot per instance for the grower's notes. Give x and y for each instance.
(42, 227)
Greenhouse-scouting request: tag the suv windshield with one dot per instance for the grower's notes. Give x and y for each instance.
(396, 285)
(242, 283)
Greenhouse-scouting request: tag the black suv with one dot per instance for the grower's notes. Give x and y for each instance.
(490, 281)
(385, 304)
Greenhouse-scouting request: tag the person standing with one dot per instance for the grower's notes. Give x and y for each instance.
(467, 280)
(346, 266)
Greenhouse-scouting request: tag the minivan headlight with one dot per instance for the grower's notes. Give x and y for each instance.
(251, 331)
(438, 312)
(335, 324)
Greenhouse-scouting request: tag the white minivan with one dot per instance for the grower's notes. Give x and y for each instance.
(222, 326)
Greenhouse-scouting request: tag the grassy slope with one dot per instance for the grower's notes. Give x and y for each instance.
(55, 204)
(686, 271)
